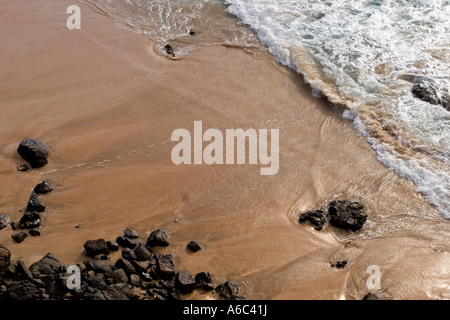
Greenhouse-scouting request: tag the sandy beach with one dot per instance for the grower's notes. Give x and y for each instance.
(107, 104)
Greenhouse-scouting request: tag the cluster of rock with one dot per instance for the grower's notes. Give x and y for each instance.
(32, 217)
(342, 214)
(36, 153)
(139, 274)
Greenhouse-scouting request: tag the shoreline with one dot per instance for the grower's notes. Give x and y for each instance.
(107, 105)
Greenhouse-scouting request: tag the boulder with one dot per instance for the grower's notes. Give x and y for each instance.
(22, 272)
(112, 245)
(4, 220)
(43, 187)
(19, 237)
(184, 282)
(99, 266)
(194, 246)
(34, 151)
(23, 290)
(34, 204)
(5, 260)
(429, 91)
(131, 234)
(158, 238)
(142, 252)
(34, 232)
(228, 290)
(317, 218)
(120, 276)
(203, 281)
(165, 266)
(126, 242)
(48, 265)
(128, 254)
(135, 280)
(30, 220)
(96, 247)
(126, 265)
(347, 215)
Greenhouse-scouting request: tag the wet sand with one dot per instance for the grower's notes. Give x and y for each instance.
(107, 105)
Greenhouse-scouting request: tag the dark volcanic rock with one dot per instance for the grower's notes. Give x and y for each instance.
(169, 50)
(30, 220)
(126, 242)
(34, 204)
(34, 232)
(99, 266)
(317, 218)
(229, 290)
(43, 187)
(15, 225)
(158, 238)
(165, 267)
(371, 296)
(23, 290)
(194, 246)
(19, 237)
(46, 271)
(203, 280)
(135, 280)
(4, 220)
(339, 264)
(34, 151)
(128, 254)
(5, 259)
(48, 265)
(184, 282)
(429, 91)
(131, 234)
(22, 272)
(120, 276)
(23, 167)
(112, 245)
(126, 265)
(347, 215)
(96, 247)
(142, 252)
